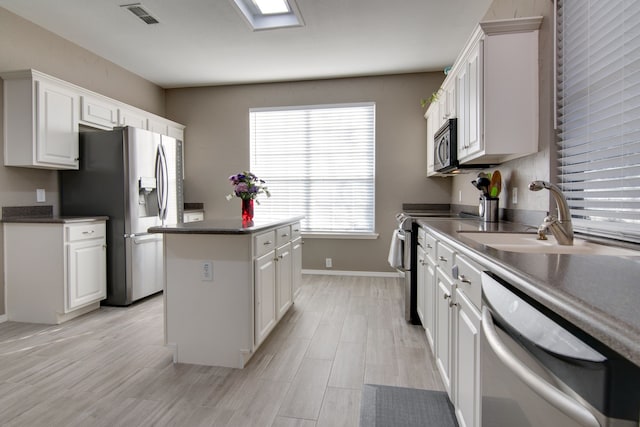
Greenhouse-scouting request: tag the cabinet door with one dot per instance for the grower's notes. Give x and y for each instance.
(432, 127)
(430, 303)
(462, 94)
(448, 100)
(86, 273)
(444, 286)
(176, 132)
(474, 100)
(98, 112)
(284, 274)
(296, 275)
(56, 125)
(265, 295)
(421, 267)
(158, 126)
(132, 118)
(467, 362)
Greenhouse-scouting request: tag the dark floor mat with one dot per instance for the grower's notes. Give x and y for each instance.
(386, 406)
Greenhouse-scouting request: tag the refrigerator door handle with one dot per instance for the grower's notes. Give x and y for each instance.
(165, 183)
(161, 178)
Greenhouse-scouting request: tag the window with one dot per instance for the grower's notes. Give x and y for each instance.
(599, 115)
(318, 161)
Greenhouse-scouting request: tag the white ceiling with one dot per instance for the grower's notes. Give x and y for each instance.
(207, 42)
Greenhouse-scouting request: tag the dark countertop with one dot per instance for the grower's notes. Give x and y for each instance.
(54, 219)
(225, 226)
(598, 294)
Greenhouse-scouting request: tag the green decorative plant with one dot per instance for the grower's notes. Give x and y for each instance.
(433, 98)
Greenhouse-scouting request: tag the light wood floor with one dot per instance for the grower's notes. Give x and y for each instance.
(110, 368)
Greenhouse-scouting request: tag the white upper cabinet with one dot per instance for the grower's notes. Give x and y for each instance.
(131, 117)
(40, 121)
(42, 116)
(499, 84)
(492, 90)
(98, 112)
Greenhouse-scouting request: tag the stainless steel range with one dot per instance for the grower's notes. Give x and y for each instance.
(406, 236)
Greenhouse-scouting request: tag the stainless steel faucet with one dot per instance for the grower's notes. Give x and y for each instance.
(560, 226)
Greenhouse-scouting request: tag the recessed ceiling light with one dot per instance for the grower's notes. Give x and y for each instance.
(269, 14)
(270, 7)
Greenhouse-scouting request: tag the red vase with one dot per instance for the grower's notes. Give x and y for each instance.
(247, 210)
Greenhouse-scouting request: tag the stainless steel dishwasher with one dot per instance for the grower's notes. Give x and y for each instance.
(538, 370)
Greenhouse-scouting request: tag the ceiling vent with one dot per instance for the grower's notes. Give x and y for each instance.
(140, 12)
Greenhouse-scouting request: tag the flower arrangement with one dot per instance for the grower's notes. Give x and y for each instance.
(247, 186)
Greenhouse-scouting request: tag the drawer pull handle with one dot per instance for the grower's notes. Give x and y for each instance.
(89, 232)
(268, 242)
(285, 235)
(296, 230)
(446, 296)
(441, 258)
(429, 246)
(463, 279)
(453, 304)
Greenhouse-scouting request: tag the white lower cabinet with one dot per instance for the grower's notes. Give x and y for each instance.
(284, 275)
(265, 295)
(64, 278)
(276, 271)
(444, 330)
(451, 293)
(467, 361)
(420, 284)
(296, 277)
(86, 272)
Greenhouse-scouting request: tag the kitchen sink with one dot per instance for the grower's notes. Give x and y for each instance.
(529, 243)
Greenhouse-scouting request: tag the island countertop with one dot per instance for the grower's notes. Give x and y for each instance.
(225, 226)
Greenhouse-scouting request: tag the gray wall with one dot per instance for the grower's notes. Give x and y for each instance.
(24, 45)
(217, 135)
(518, 173)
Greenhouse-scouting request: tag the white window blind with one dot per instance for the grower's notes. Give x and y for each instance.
(599, 114)
(318, 161)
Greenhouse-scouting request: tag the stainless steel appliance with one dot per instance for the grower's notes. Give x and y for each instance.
(445, 147)
(407, 233)
(537, 370)
(135, 177)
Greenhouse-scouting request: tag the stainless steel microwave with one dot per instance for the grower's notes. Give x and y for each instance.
(445, 147)
(445, 150)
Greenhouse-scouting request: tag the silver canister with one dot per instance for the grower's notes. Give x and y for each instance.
(488, 209)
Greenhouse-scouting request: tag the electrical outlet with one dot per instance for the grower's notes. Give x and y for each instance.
(206, 274)
(328, 263)
(41, 195)
(514, 195)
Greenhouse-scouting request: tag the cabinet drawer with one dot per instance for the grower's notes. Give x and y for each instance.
(93, 230)
(193, 216)
(444, 257)
(283, 235)
(430, 247)
(469, 279)
(264, 243)
(295, 231)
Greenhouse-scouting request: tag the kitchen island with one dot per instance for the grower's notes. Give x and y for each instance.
(227, 284)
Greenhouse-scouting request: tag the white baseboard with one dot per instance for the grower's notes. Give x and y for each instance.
(3, 318)
(354, 273)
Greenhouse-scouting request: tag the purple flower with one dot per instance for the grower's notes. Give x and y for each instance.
(247, 185)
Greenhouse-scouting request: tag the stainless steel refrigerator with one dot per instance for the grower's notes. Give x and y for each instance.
(135, 177)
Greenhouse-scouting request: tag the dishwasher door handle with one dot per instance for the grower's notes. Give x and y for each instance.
(541, 387)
